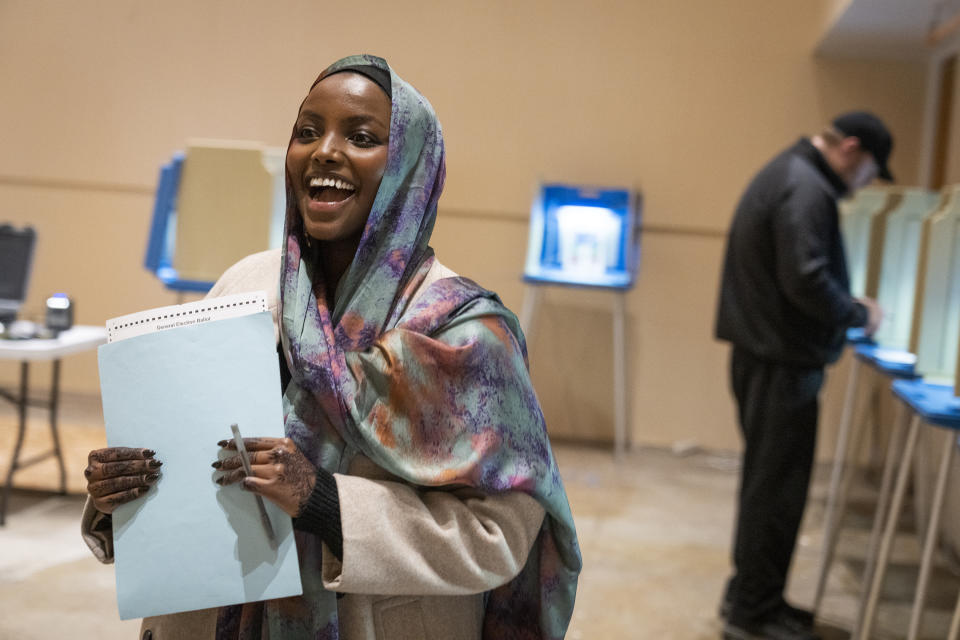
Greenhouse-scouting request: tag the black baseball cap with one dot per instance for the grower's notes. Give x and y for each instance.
(873, 134)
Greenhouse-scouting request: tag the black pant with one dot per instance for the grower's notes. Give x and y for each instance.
(778, 418)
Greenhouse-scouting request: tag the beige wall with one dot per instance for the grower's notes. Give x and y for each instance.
(683, 100)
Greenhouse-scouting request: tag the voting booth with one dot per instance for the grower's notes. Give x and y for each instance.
(928, 449)
(862, 222)
(900, 258)
(582, 236)
(935, 335)
(217, 202)
(936, 342)
(586, 237)
(890, 266)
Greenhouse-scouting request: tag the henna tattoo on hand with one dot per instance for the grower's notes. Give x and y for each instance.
(124, 497)
(281, 472)
(297, 472)
(120, 468)
(117, 475)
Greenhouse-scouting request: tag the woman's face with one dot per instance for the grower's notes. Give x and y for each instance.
(338, 155)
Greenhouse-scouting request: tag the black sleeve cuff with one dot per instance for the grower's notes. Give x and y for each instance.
(860, 315)
(321, 514)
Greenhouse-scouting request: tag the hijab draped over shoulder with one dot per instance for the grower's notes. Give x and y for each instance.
(437, 393)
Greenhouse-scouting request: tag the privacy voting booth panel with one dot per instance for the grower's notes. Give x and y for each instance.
(583, 236)
(936, 341)
(937, 328)
(896, 291)
(230, 204)
(861, 222)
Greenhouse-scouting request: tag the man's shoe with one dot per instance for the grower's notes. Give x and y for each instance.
(804, 617)
(780, 627)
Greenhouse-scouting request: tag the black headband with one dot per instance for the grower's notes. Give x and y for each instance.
(379, 76)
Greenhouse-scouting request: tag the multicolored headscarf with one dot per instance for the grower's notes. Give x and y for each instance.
(437, 393)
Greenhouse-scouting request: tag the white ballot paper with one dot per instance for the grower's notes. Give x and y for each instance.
(173, 380)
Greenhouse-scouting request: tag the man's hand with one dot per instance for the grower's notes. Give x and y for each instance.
(119, 474)
(281, 472)
(874, 315)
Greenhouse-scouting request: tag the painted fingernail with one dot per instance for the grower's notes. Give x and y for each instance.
(220, 480)
(155, 464)
(149, 453)
(217, 464)
(153, 477)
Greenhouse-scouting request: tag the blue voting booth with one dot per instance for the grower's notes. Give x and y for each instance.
(889, 240)
(162, 239)
(586, 237)
(583, 236)
(211, 186)
(917, 356)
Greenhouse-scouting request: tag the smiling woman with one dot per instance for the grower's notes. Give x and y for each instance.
(416, 466)
(336, 160)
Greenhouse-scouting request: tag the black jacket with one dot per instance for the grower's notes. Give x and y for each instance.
(785, 292)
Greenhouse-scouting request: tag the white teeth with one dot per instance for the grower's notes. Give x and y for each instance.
(331, 182)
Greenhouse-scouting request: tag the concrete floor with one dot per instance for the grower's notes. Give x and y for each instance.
(654, 530)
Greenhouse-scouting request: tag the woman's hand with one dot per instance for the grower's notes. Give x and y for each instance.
(117, 475)
(280, 471)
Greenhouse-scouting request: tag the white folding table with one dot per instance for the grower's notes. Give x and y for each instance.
(75, 340)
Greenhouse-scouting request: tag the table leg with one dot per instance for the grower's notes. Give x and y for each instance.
(894, 445)
(929, 545)
(54, 432)
(528, 313)
(620, 426)
(835, 506)
(21, 433)
(890, 530)
(955, 625)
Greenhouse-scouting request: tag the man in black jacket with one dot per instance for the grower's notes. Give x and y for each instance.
(785, 305)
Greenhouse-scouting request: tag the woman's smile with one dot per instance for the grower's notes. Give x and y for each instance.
(328, 193)
(337, 157)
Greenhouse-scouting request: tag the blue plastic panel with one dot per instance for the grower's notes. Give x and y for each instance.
(159, 245)
(895, 363)
(936, 403)
(161, 242)
(583, 236)
(856, 335)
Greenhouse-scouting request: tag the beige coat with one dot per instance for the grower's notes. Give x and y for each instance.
(415, 562)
